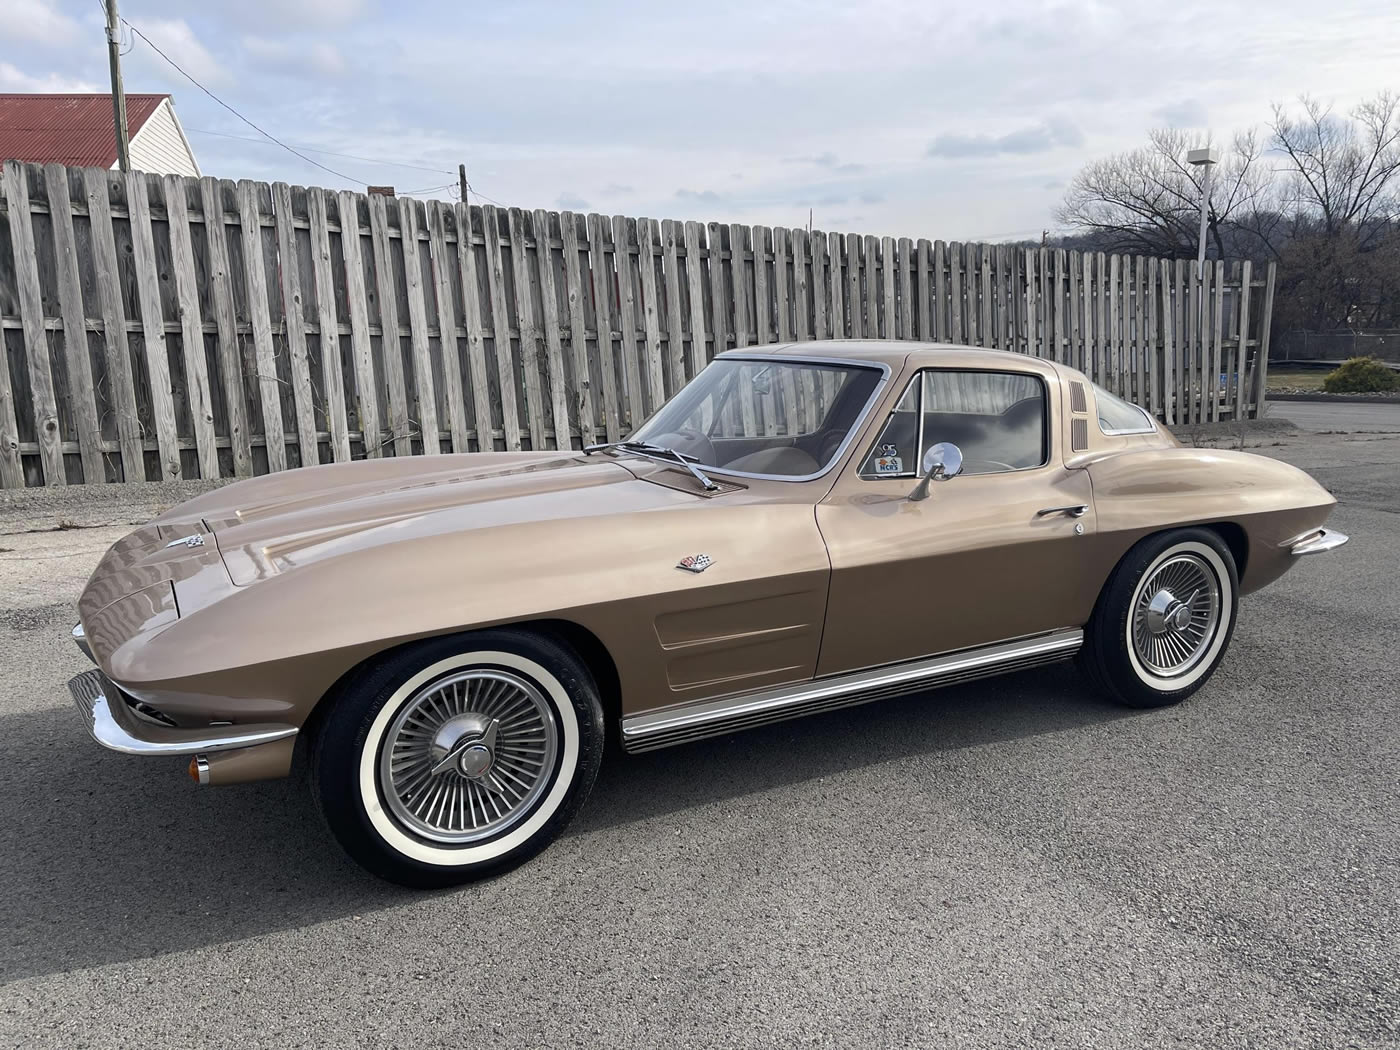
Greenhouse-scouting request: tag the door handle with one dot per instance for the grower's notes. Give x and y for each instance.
(1077, 510)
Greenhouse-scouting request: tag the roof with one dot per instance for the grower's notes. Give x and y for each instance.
(894, 352)
(68, 129)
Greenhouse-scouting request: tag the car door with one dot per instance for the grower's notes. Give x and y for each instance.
(1000, 551)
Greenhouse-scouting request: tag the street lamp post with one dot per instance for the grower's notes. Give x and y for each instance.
(1207, 158)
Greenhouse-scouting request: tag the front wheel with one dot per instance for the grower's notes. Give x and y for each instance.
(458, 757)
(1164, 619)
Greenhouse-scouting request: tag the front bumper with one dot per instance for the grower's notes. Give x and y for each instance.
(113, 725)
(1318, 541)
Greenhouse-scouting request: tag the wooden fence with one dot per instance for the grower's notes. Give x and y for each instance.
(164, 327)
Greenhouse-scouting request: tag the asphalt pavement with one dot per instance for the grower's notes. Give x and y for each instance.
(1013, 863)
(1350, 417)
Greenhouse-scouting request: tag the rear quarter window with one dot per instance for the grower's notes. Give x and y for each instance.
(1117, 416)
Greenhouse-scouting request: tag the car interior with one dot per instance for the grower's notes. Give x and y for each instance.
(991, 442)
(794, 456)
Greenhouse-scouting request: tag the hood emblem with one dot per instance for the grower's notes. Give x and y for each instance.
(695, 562)
(187, 541)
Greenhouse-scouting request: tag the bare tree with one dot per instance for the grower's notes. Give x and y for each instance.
(1321, 197)
(1148, 199)
(1343, 173)
(1340, 180)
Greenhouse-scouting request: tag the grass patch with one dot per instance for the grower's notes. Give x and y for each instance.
(1296, 379)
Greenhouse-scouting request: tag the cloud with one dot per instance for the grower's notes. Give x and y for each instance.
(35, 21)
(618, 189)
(16, 80)
(701, 196)
(571, 202)
(829, 201)
(1037, 138)
(827, 160)
(293, 56)
(177, 40)
(872, 197)
(1188, 113)
(320, 14)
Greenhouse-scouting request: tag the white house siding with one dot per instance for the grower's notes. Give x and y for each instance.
(160, 145)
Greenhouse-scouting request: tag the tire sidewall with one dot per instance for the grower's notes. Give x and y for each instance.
(1110, 654)
(1203, 666)
(347, 749)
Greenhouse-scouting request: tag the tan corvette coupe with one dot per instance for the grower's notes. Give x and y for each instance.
(451, 638)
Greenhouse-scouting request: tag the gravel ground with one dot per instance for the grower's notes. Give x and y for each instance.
(1007, 864)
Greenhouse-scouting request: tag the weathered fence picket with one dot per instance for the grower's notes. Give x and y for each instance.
(158, 327)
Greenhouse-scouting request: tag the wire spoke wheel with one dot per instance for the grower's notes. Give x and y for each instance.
(1175, 615)
(468, 755)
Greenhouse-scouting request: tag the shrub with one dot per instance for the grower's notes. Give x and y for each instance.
(1361, 375)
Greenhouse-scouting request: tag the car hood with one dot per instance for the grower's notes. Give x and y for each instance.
(269, 525)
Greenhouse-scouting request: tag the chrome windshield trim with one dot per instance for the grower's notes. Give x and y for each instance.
(1316, 541)
(89, 691)
(856, 427)
(678, 725)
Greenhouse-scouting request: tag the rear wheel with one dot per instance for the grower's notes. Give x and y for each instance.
(458, 757)
(1164, 619)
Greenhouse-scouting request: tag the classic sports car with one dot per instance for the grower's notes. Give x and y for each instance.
(451, 638)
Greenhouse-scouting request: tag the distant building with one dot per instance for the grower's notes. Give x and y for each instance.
(78, 130)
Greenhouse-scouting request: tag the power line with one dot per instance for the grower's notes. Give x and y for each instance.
(176, 66)
(473, 189)
(426, 189)
(326, 152)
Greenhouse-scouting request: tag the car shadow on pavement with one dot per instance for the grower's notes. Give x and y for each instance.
(1030, 703)
(109, 859)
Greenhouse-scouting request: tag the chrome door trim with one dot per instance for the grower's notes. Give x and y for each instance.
(678, 725)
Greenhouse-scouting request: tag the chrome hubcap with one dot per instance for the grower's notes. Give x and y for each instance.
(1176, 612)
(468, 755)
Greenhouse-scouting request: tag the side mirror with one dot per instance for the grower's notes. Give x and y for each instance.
(942, 462)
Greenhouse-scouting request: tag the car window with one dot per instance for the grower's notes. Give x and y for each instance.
(771, 399)
(997, 419)
(1117, 416)
(767, 416)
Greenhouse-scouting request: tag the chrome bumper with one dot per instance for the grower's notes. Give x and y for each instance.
(113, 725)
(1319, 541)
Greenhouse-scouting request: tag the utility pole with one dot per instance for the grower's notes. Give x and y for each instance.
(114, 59)
(462, 179)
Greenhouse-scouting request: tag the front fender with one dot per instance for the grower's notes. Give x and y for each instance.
(1140, 492)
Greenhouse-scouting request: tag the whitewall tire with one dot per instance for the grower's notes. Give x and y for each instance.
(1164, 618)
(458, 757)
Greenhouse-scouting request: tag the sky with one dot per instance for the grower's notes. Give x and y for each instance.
(959, 121)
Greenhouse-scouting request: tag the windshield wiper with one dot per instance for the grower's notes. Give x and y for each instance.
(647, 449)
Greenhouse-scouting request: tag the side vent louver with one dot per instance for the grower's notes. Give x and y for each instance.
(1077, 403)
(1079, 435)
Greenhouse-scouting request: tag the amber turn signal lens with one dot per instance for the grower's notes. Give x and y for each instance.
(194, 769)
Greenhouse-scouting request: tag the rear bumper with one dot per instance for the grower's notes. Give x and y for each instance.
(114, 726)
(1318, 541)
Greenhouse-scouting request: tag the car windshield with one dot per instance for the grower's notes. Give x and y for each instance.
(767, 416)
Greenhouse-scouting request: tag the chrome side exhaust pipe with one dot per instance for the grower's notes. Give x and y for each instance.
(241, 765)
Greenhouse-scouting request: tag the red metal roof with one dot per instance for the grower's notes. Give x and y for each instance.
(68, 129)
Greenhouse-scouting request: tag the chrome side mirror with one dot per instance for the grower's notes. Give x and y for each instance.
(942, 462)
